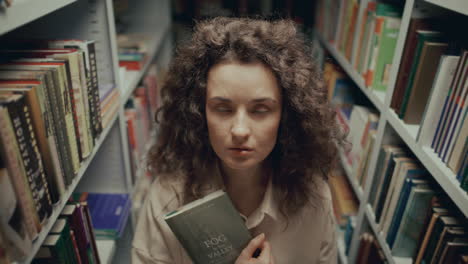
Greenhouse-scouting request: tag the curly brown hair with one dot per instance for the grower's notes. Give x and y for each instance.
(308, 134)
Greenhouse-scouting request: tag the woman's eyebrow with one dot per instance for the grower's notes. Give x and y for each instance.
(256, 100)
(264, 99)
(219, 98)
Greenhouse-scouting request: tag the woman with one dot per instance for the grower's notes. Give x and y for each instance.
(244, 110)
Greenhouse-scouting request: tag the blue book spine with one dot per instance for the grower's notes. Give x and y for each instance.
(401, 205)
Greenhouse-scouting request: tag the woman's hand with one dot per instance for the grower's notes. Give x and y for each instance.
(265, 257)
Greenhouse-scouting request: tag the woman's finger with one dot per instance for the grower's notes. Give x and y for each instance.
(255, 243)
(265, 255)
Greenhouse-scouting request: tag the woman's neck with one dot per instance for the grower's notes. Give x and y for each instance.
(246, 188)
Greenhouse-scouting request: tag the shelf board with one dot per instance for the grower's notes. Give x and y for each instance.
(106, 250)
(132, 78)
(22, 12)
(459, 6)
(376, 97)
(341, 247)
(60, 205)
(382, 242)
(349, 173)
(440, 172)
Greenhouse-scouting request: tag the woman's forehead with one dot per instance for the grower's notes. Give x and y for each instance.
(241, 80)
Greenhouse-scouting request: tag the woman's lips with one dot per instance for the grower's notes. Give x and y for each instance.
(240, 151)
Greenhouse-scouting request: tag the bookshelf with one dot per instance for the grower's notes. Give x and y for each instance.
(389, 121)
(107, 168)
(106, 250)
(22, 12)
(352, 180)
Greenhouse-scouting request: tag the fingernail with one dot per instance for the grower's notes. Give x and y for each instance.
(261, 236)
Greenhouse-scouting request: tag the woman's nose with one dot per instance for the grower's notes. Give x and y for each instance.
(240, 127)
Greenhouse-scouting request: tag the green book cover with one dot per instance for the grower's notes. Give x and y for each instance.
(423, 36)
(53, 250)
(388, 43)
(412, 222)
(210, 229)
(382, 13)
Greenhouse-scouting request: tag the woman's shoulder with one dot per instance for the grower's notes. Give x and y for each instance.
(165, 194)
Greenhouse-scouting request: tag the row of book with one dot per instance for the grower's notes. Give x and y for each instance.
(370, 250)
(359, 121)
(373, 40)
(139, 112)
(403, 189)
(345, 205)
(71, 239)
(133, 50)
(441, 110)
(50, 119)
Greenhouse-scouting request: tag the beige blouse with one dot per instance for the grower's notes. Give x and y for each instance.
(308, 238)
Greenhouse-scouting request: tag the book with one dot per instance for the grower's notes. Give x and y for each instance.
(210, 229)
(15, 238)
(440, 88)
(454, 86)
(10, 153)
(60, 113)
(405, 244)
(20, 115)
(41, 118)
(418, 22)
(423, 36)
(423, 79)
(109, 212)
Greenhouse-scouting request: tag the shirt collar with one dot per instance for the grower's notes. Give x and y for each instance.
(268, 206)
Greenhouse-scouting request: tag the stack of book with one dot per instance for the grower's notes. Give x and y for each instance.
(445, 239)
(368, 44)
(133, 50)
(369, 250)
(109, 213)
(50, 120)
(71, 239)
(402, 191)
(345, 203)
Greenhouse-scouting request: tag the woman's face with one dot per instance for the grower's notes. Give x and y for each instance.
(243, 112)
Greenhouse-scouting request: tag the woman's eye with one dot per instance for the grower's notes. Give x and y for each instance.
(223, 109)
(261, 110)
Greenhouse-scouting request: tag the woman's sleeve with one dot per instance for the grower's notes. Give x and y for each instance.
(149, 244)
(328, 247)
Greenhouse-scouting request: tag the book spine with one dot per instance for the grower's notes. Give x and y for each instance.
(52, 92)
(11, 155)
(32, 162)
(444, 113)
(40, 118)
(67, 109)
(391, 28)
(96, 115)
(75, 135)
(451, 109)
(375, 49)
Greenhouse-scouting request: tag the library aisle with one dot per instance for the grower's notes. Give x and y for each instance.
(89, 73)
